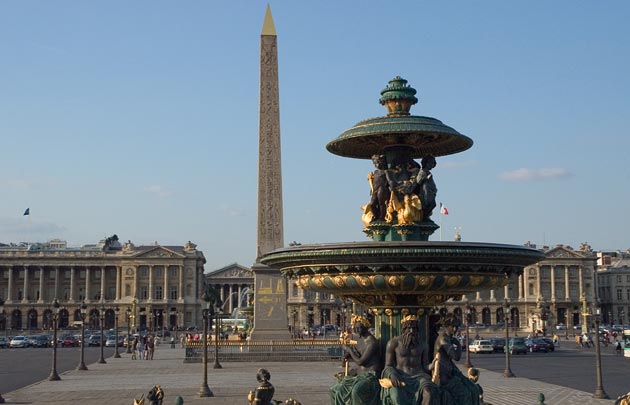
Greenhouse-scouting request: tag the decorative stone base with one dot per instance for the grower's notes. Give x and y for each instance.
(270, 303)
(383, 232)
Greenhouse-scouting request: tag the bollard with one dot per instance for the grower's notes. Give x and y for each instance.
(179, 400)
(541, 399)
(172, 343)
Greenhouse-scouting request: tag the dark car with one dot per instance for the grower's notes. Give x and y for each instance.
(550, 344)
(517, 345)
(40, 341)
(69, 341)
(4, 342)
(498, 344)
(536, 345)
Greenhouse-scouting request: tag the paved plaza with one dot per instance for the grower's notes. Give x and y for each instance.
(120, 380)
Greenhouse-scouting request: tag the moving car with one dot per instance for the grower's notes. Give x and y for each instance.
(4, 342)
(481, 346)
(550, 345)
(94, 340)
(517, 345)
(19, 341)
(536, 345)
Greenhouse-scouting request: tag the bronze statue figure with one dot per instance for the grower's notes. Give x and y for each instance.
(359, 386)
(263, 395)
(380, 191)
(455, 388)
(406, 379)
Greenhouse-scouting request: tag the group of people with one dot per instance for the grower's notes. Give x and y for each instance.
(408, 375)
(143, 347)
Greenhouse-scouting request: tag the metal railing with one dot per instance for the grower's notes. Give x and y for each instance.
(296, 350)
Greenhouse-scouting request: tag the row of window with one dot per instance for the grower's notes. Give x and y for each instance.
(144, 273)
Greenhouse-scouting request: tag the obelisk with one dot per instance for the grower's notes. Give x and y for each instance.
(270, 288)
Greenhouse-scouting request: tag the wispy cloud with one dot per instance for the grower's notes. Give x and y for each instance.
(19, 184)
(524, 174)
(24, 229)
(232, 212)
(157, 190)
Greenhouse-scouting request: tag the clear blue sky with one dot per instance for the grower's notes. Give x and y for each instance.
(141, 118)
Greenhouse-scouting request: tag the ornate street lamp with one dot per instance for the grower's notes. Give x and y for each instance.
(468, 364)
(81, 365)
(204, 391)
(3, 319)
(506, 310)
(128, 312)
(102, 314)
(599, 390)
(116, 353)
(217, 312)
(53, 373)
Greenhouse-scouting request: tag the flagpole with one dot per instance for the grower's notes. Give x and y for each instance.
(441, 222)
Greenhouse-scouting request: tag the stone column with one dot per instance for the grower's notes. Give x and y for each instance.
(521, 287)
(25, 296)
(180, 284)
(118, 295)
(506, 291)
(102, 284)
(150, 283)
(229, 307)
(538, 282)
(42, 293)
(57, 282)
(136, 272)
(492, 298)
(581, 280)
(10, 291)
(165, 288)
(73, 275)
(478, 296)
(553, 283)
(88, 292)
(240, 290)
(567, 290)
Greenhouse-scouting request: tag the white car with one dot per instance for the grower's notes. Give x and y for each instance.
(19, 341)
(481, 346)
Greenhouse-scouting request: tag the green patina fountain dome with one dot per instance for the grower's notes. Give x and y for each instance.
(420, 136)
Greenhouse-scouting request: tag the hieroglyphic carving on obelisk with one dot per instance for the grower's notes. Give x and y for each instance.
(270, 288)
(270, 227)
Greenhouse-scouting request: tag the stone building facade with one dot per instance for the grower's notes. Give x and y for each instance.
(232, 281)
(159, 284)
(552, 292)
(613, 275)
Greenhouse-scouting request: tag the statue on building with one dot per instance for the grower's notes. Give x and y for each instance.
(406, 379)
(360, 385)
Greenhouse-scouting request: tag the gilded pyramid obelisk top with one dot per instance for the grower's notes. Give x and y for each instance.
(268, 26)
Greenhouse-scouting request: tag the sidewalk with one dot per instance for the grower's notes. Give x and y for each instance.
(120, 380)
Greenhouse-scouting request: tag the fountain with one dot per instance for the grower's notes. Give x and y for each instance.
(400, 272)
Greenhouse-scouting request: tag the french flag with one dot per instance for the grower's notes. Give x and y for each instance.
(443, 209)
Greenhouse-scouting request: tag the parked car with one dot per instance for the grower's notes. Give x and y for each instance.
(19, 341)
(498, 344)
(94, 340)
(517, 345)
(4, 342)
(69, 341)
(481, 346)
(111, 341)
(39, 341)
(536, 345)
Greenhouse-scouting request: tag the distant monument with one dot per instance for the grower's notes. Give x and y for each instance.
(270, 287)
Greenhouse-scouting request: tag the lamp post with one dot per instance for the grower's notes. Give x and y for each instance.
(204, 391)
(3, 319)
(506, 309)
(53, 373)
(566, 325)
(128, 312)
(599, 390)
(116, 353)
(468, 364)
(216, 337)
(102, 314)
(81, 365)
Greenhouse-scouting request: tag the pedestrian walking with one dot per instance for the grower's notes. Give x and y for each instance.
(150, 348)
(141, 347)
(134, 348)
(618, 348)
